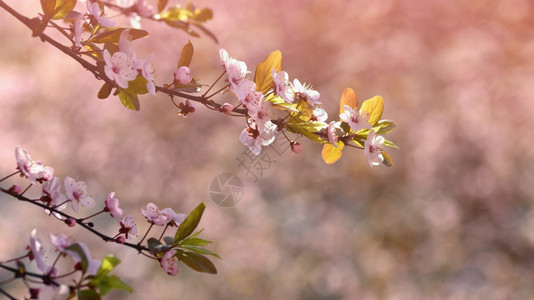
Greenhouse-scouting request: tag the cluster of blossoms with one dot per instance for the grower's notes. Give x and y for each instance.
(78, 251)
(285, 104)
(261, 129)
(135, 9)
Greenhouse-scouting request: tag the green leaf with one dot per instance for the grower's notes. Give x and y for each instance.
(186, 55)
(108, 263)
(263, 76)
(200, 250)
(197, 262)
(104, 91)
(48, 7)
(169, 240)
(330, 153)
(112, 36)
(63, 8)
(190, 223)
(384, 126)
(161, 5)
(390, 144)
(106, 284)
(88, 295)
(129, 100)
(194, 242)
(307, 129)
(156, 247)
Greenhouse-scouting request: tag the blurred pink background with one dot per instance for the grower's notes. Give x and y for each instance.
(452, 219)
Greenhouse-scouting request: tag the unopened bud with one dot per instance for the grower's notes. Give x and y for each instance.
(70, 222)
(120, 239)
(296, 147)
(182, 75)
(15, 189)
(226, 108)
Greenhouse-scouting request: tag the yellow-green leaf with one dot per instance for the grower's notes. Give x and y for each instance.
(375, 107)
(129, 101)
(263, 77)
(63, 8)
(137, 86)
(112, 36)
(331, 153)
(176, 13)
(348, 98)
(187, 55)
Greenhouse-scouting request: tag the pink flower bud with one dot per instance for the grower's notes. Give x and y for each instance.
(182, 75)
(226, 108)
(120, 239)
(15, 189)
(70, 222)
(296, 147)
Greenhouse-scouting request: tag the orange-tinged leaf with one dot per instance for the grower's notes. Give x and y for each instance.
(48, 7)
(161, 5)
(387, 160)
(263, 77)
(348, 98)
(375, 107)
(331, 153)
(186, 56)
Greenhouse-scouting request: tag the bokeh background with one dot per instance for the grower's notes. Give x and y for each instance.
(452, 219)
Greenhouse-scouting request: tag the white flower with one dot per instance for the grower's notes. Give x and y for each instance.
(320, 114)
(331, 132)
(60, 241)
(253, 139)
(52, 292)
(33, 170)
(357, 120)
(148, 72)
(373, 149)
(93, 264)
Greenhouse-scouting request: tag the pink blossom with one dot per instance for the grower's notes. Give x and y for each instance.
(78, 29)
(226, 108)
(77, 193)
(331, 132)
(144, 9)
(119, 68)
(319, 114)
(168, 262)
(305, 91)
(33, 170)
(183, 75)
(148, 72)
(373, 149)
(37, 252)
(235, 70)
(175, 219)
(155, 215)
(357, 120)
(282, 86)
(94, 10)
(246, 92)
(253, 139)
(60, 241)
(112, 205)
(128, 227)
(53, 197)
